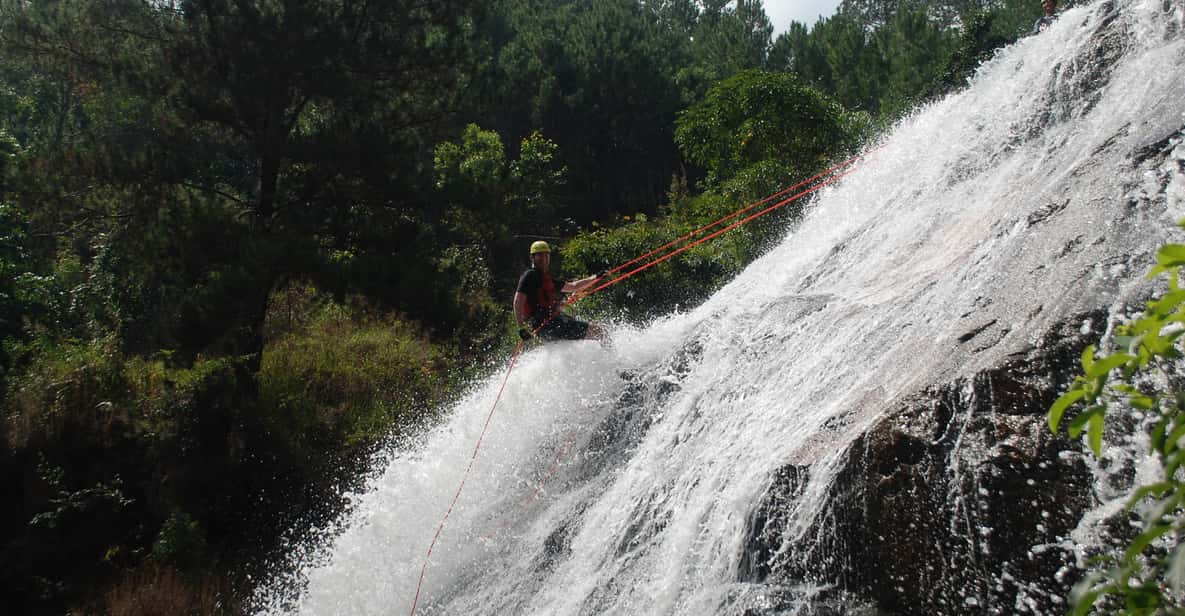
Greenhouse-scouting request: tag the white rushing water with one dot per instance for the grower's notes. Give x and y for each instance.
(619, 480)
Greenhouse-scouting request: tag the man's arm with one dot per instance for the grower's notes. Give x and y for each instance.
(578, 285)
(520, 308)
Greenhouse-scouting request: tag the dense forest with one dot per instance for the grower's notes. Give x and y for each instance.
(248, 244)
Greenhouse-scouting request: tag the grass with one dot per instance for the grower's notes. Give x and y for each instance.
(351, 374)
(153, 590)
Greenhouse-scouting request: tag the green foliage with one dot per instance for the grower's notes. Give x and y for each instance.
(538, 178)
(976, 42)
(58, 400)
(758, 117)
(251, 240)
(730, 38)
(116, 442)
(488, 195)
(12, 306)
(886, 57)
(181, 542)
(302, 122)
(755, 134)
(605, 80)
(854, 67)
(873, 14)
(483, 325)
(684, 280)
(488, 198)
(595, 77)
(478, 163)
(135, 452)
(983, 32)
(679, 282)
(66, 503)
(917, 49)
(796, 50)
(345, 379)
(1148, 577)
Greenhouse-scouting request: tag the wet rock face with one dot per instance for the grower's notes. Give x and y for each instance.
(960, 501)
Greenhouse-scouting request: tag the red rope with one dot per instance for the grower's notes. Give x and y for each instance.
(513, 358)
(646, 266)
(577, 296)
(555, 466)
(691, 234)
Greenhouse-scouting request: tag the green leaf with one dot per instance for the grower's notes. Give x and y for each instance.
(1087, 357)
(1085, 593)
(1095, 435)
(1144, 325)
(1154, 490)
(1060, 405)
(1174, 437)
(1157, 434)
(1168, 302)
(1140, 543)
(1145, 355)
(1141, 599)
(1172, 462)
(1107, 364)
(1171, 255)
(1078, 424)
(1098, 385)
(1142, 402)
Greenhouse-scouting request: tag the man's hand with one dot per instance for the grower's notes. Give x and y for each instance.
(525, 334)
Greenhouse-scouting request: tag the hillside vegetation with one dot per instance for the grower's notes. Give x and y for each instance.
(247, 244)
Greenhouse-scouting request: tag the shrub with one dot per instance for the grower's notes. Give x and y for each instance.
(119, 442)
(67, 394)
(181, 542)
(347, 379)
(754, 134)
(1149, 576)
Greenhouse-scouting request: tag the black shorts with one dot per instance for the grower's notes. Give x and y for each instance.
(563, 327)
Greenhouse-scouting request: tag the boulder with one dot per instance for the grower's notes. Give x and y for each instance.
(958, 501)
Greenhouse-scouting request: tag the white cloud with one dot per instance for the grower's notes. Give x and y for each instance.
(782, 12)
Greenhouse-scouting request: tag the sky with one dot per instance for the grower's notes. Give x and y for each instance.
(782, 12)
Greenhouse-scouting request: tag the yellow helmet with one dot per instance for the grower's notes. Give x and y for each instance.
(540, 246)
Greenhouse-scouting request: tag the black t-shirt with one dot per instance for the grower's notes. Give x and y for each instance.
(543, 293)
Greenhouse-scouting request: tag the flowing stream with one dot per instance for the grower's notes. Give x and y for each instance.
(620, 480)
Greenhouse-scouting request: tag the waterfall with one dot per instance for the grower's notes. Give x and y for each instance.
(625, 479)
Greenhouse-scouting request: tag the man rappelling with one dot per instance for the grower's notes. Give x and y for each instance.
(538, 300)
(1046, 20)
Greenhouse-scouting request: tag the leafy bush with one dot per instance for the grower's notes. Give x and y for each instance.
(181, 542)
(755, 134)
(62, 397)
(119, 442)
(134, 453)
(345, 379)
(1149, 577)
(756, 117)
(684, 280)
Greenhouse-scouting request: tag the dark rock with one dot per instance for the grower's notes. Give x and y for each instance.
(957, 502)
